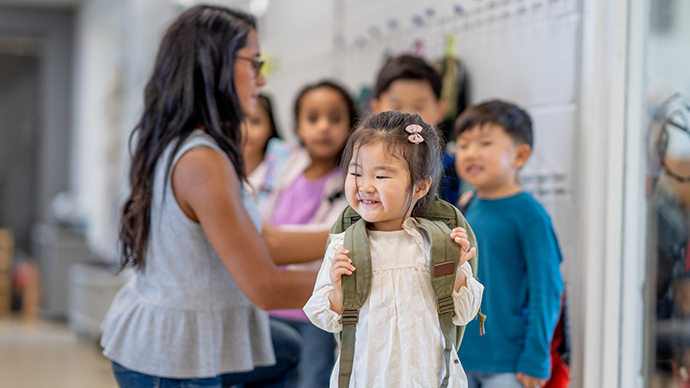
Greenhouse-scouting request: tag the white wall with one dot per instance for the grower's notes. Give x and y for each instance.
(98, 69)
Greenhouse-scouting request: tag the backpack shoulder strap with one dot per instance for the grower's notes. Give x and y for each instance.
(356, 289)
(346, 219)
(441, 207)
(438, 222)
(450, 215)
(356, 286)
(443, 263)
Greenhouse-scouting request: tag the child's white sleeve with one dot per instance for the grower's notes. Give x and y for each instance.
(468, 299)
(318, 307)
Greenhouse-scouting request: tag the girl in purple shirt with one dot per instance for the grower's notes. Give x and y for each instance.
(299, 191)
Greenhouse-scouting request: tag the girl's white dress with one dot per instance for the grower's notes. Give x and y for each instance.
(399, 342)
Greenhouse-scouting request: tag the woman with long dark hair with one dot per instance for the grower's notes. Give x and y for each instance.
(193, 309)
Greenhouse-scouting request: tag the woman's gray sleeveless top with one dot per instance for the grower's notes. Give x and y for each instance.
(184, 316)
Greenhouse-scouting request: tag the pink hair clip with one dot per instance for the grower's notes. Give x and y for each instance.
(415, 137)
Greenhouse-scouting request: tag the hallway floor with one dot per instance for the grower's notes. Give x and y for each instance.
(41, 354)
(46, 354)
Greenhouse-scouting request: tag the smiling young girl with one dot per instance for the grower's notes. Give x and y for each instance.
(393, 170)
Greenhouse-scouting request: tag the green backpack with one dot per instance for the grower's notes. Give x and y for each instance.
(441, 218)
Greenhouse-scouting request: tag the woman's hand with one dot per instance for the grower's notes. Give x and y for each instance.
(342, 265)
(529, 381)
(459, 235)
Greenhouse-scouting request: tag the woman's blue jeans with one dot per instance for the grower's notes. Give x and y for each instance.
(286, 344)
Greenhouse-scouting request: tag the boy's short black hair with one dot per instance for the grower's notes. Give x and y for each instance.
(515, 121)
(407, 67)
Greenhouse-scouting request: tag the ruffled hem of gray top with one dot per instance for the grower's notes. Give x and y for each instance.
(203, 343)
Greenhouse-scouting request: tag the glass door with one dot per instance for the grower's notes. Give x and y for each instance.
(667, 291)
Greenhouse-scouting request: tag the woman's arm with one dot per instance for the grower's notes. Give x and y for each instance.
(292, 247)
(208, 190)
(292, 244)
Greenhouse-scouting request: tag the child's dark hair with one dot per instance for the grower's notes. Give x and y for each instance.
(423, 159)
(265, 104)
(349, 102)
(515, 121)
(407, 67)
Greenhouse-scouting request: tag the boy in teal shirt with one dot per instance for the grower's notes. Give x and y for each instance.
(520, 266)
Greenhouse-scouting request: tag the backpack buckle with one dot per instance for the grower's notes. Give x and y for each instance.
(445, 305)
(350, 317)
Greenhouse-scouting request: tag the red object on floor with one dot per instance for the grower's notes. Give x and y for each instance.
(560, 371)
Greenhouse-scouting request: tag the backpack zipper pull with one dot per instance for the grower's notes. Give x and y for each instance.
(482, 318)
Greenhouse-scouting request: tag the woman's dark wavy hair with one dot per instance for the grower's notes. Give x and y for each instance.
(192, 86)
(423, 159)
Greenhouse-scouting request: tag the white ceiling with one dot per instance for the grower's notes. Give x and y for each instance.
(42, 3)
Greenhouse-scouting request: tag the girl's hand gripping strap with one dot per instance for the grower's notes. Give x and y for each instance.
(356, 289)
(443, 211)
